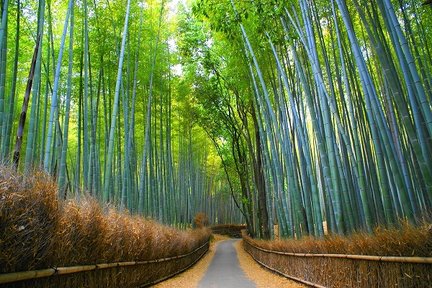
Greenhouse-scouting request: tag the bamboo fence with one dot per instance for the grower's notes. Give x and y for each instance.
(340, 270)
(120, 274)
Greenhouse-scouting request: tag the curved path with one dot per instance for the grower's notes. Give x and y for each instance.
(224, 270)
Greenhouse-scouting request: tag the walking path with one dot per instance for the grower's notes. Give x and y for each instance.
(227, 265)
(224, 270)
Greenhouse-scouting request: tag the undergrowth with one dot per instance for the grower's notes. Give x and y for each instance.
(39, 231)
(200, 220)
(406, 240)
(231, 230)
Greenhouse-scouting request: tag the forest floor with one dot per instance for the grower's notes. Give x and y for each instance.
(257, 274)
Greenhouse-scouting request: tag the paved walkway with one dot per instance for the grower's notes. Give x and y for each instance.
(224, 270)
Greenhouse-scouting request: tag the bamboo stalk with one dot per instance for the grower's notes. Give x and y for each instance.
(76, 269)
(19, 276)
(23, 114)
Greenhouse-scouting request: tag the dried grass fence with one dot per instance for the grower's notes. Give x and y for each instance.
(94, 246)
(343, 270)
(121, 274)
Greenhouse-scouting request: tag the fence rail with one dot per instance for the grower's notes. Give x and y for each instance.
(340, 270)
(21, 278)
(420, 260)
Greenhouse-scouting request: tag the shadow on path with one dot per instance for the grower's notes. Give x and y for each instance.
(224, 270)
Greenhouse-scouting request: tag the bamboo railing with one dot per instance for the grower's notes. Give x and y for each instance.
(33, 276)
(341, 270)
(420, 260)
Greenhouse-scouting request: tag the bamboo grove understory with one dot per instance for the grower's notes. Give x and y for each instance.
(312, 115)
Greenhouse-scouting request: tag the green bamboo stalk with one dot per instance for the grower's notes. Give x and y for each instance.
(63, 160)
(108, 168)
(54, 99)
(3, 64)
(147, 151)
(11, 107)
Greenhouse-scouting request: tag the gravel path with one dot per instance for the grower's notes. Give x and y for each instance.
(224, 270)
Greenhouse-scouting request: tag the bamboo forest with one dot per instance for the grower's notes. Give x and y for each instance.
(295, 119)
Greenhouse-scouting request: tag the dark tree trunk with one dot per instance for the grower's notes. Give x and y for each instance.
(23, 114)
(260, 183)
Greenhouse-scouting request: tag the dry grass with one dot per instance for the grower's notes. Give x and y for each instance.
(38, 231)
(404, 241)
(200, 220)
(29, 214)
(342, 272)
